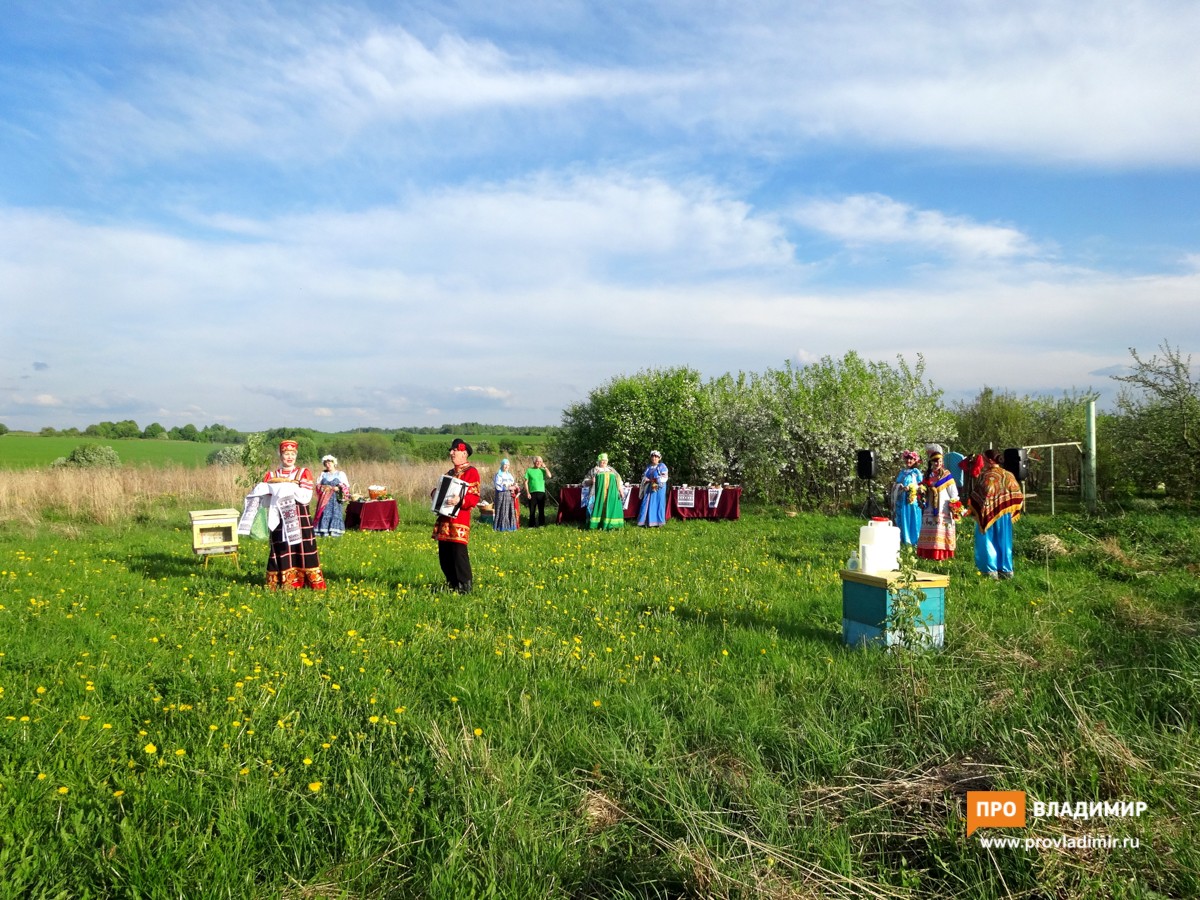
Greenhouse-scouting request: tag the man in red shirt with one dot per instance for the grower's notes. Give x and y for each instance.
(453, 532)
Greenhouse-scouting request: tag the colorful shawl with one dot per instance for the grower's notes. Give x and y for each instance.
(995, 493)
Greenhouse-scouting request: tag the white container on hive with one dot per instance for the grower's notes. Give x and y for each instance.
(879, 546)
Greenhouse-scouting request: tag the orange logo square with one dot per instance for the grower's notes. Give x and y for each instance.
(995, 809)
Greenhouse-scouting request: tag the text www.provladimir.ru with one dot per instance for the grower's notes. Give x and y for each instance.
(1064, 842)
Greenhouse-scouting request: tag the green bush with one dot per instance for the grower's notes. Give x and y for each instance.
(226, 456)
(90, 456)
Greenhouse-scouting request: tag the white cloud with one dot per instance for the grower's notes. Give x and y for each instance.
(197, 324)
(1082, 81)
(491, 393)
(1100, 83)
(875, 219)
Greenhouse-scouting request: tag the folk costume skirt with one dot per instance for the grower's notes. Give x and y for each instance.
(295, 565)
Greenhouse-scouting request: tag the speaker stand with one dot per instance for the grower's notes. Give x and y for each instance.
(870, 509)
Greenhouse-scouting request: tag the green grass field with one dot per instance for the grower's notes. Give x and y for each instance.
(635, 714)
(25, 451)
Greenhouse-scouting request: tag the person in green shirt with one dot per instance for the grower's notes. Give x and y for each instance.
(535, 491)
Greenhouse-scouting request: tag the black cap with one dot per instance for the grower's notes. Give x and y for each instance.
(460, 444)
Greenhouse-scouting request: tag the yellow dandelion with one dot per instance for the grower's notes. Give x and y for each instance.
(478, 732)
(64, 790)
(308, 760)
(595, 703)
(151, 749)
(314, 786)
(374, 720)
(118, 793)
(41, 776)
(181, 752)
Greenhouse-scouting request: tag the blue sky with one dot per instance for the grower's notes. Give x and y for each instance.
(348, 214)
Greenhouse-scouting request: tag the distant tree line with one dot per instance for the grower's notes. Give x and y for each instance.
(463, 428)
(128, 429)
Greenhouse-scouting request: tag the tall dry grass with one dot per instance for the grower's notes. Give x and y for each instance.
(140, 493)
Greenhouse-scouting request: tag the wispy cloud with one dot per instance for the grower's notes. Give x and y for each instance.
(874, 219)
(1071, 82)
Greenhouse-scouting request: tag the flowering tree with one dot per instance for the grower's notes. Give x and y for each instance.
(663, 409)
(791, 434)
(1158, 430)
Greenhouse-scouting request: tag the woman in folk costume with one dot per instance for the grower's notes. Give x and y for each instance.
(606, 507)
(939, 507)
(906, 493)
(996, 501)
(505, 514)
(333, 487)
(653, 510)
(292, 562)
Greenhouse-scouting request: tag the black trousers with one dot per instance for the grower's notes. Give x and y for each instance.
(456, 565)
(537, 508)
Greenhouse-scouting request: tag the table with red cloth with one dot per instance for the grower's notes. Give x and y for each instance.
(372, 515)
(729, 505)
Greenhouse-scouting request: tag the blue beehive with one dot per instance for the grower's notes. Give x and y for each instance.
(868, 601)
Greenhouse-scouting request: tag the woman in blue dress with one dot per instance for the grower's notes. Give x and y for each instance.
(653, 511)
(333, 487)
(906, 498)
(505, 512)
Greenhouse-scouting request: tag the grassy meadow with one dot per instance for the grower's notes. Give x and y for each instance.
(26, 451)
(636, 714)
(22, 450)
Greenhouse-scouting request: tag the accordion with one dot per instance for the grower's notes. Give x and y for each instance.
(449, 496)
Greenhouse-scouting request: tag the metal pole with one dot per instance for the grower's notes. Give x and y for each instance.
(1051, 481)
(1089, 460)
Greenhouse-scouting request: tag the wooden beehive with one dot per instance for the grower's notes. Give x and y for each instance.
(214, 531)
(867, 604)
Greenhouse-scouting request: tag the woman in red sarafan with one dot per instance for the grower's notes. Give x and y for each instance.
(293, 561)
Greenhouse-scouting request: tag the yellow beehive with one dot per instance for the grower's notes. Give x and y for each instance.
(214, 531)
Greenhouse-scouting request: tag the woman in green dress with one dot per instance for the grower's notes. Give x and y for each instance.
(606, 504)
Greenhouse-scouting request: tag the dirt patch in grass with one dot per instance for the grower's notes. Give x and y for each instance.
(1135, 612)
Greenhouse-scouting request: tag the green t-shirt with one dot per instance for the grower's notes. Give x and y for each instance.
(536, 479)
